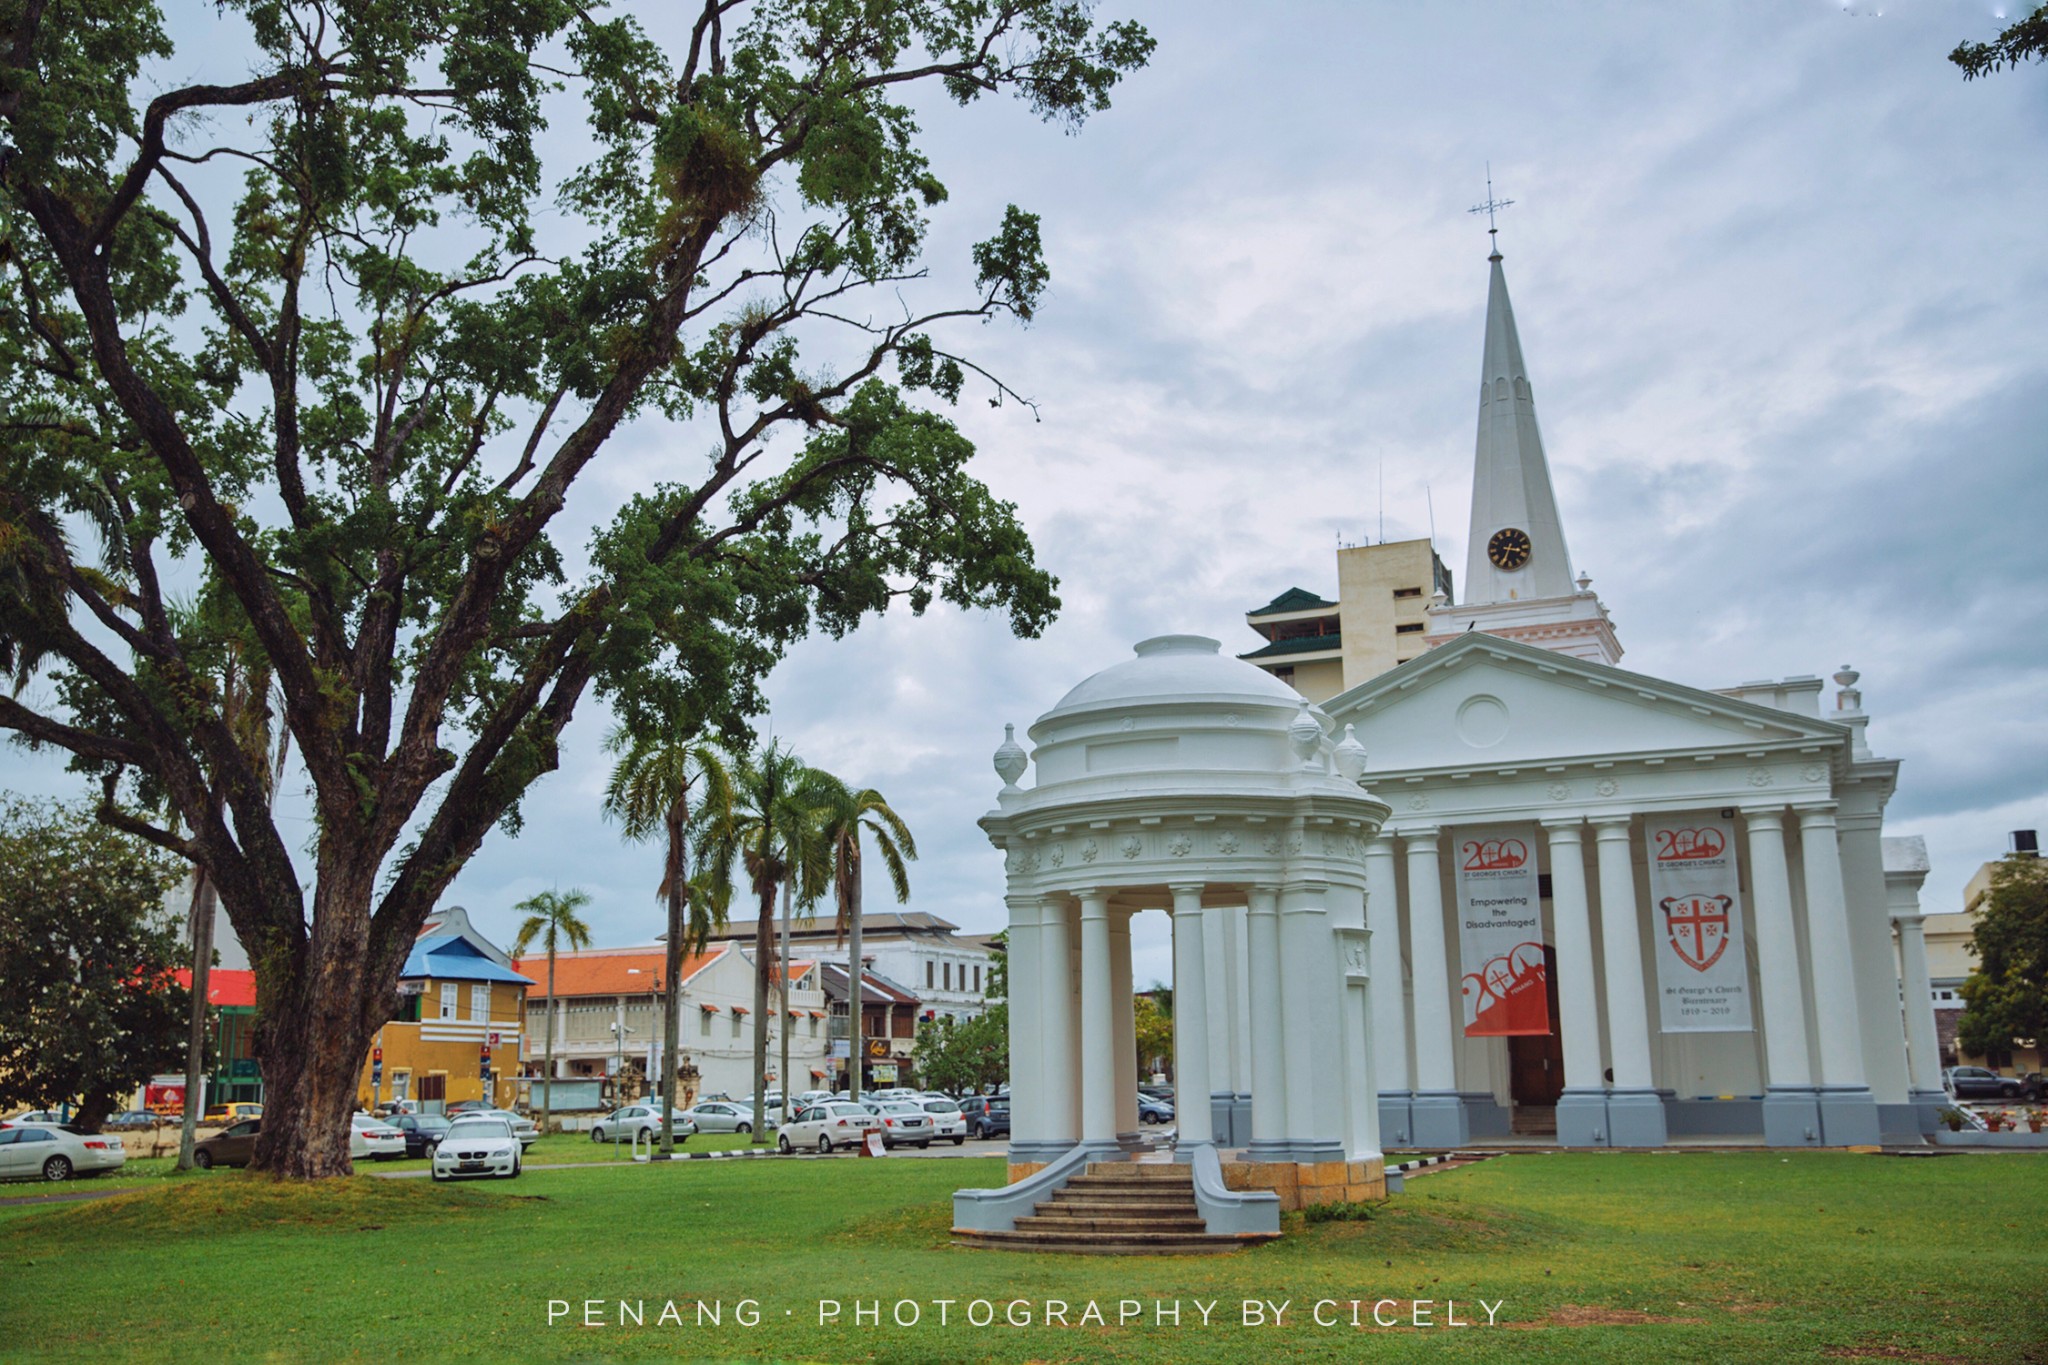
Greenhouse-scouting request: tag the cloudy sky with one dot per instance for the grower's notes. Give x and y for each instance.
(1779, 276)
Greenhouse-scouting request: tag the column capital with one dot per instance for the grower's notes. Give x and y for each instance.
(1094, 903)
(1194, 888)
(1915, 923)
(1610, 827)
(1765, 817)
(1417, 835)
(1567, 829)
(1815, 815)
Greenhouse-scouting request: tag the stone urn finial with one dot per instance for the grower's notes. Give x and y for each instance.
(1850, 698)
(1306, 735)
(1010, 759)
(1350, 756)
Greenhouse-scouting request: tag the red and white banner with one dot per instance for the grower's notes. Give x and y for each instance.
(1696, 907)
(1500, 932)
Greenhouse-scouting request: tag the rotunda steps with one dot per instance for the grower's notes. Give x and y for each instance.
(1116, 1208)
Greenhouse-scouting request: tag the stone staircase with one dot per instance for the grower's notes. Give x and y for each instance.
(1118, 1208)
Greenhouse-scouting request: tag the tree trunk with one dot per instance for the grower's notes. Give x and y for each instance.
(782, 1009)
(319, 1013)
(856, 1045)
(547, 1062)
(764, 952)
(671, 1037)
(204, 899)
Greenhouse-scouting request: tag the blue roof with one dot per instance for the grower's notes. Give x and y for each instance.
(454, 958)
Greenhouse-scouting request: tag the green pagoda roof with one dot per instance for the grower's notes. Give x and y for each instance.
(1294, 599)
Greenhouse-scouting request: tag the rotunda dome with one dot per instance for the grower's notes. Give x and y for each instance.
(1176, 668)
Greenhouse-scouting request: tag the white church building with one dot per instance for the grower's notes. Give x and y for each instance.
(1502, 886)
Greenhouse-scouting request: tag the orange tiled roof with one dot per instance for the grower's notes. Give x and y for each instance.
(610, 971)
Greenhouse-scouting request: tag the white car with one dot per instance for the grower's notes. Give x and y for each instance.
(477, 1145)
(523, 1128)
(903, 1121)
(638, 1120)
(947, 1120)
(46, 1151)
(368, 1137)
(834, 1123)
(898, 1092)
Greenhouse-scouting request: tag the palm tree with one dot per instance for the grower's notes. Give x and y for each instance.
(551, 920)
(770, 830)
(649, 792)
(843, 819)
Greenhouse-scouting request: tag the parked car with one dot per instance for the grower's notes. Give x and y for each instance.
(811, 1097)
(49, 1151)
(636, 1121)
(523, 1128)
(368, 1137)
(221, 1115)
(422, 1132)
(829, 1124)
(947, 1120)
(35, 1116)
(469, 1107)
(131, 1120)
(894, 1092)
(726, 1116)
(1980, 1083)
(1153, 1111)
(234, 1145)
(903, 1122)
(478, 1145)
(986, 1115)
(1157, 1092)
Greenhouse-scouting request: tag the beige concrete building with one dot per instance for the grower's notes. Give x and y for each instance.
(1379, 621)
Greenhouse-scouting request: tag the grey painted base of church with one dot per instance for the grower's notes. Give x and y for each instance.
(1848, 1117)
(1635, 1118)
(1791, 1117)
(1582, 1118)
(1440, 1120)
(1230, 1119)
(1483, 1117)
(1397, 1123)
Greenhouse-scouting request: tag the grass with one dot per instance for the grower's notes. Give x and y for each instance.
(1605, 1257)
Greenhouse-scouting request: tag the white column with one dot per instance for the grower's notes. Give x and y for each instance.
(1122, 994)
(1027, 1030)
(1787, 1060)
(1269, 1056)
(1098, 1024)
(1923, 1047)
(1191, 1083)
(1874, 975)
(1827, 927)
(1628, 1020)
(1389, 1009)
(1578, 1007)
(1435, 1069)
(1057, 1020)
(1310, 1020)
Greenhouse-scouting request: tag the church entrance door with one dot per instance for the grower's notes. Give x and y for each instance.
(1536, 1061)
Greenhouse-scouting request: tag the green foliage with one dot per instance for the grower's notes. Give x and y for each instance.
(2006, 997)
(1338, 1213)
(336, 342)
(2022, 40)
(88, 1008)
(1154, 1020)
(552, 922)
(960, 1058)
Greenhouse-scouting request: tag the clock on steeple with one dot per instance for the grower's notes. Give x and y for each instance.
(1509, 549)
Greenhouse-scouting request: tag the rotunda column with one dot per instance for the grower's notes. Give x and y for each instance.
(1269, 1055)
(1027, 1030)
(1310, 1022)
(1098, 1025)
(1060, 1126)
(1124, 1000)
(1191, 1075)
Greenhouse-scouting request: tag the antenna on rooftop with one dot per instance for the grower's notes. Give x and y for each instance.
(1383, 495)
(1432, 511)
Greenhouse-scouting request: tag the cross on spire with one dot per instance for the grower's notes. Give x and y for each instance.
(1490, 208)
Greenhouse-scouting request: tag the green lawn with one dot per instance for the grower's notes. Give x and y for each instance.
(1622, 1257)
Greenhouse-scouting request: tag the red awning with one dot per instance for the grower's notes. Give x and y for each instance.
(740, 1009)
(816, 1074)
(817, 1014)
(796, 1014)
(708, 1009)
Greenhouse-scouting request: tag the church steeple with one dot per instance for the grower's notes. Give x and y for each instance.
(1517, 550)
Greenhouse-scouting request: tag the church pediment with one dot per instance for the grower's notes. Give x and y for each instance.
(1484, 701)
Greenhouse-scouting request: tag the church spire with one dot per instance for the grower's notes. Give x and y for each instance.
(1517, 550)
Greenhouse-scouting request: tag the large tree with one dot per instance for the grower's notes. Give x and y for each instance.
(338, 338)
(847, 818)
(2023, 40)
(2006, 997)
(552, 922)
(88, 1007)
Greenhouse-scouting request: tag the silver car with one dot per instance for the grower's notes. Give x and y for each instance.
(638, 1120)
(947, 1120)
(525, 1129)
(903, 1122)
(726, 1116)
(833, 1123)
(45, 1151)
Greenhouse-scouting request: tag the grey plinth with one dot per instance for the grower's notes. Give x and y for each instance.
(1397, 1120)
(1582, 1118)
(1439, 1118)
(1791, 1117)
(1635, 1118)
(1848, 1117)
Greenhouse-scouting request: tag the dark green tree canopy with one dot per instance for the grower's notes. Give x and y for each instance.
(88, 1006)
(2006, 998)
(2023, 40)
(336, 340)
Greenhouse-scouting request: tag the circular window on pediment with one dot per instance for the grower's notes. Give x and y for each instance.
(1483, 721)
